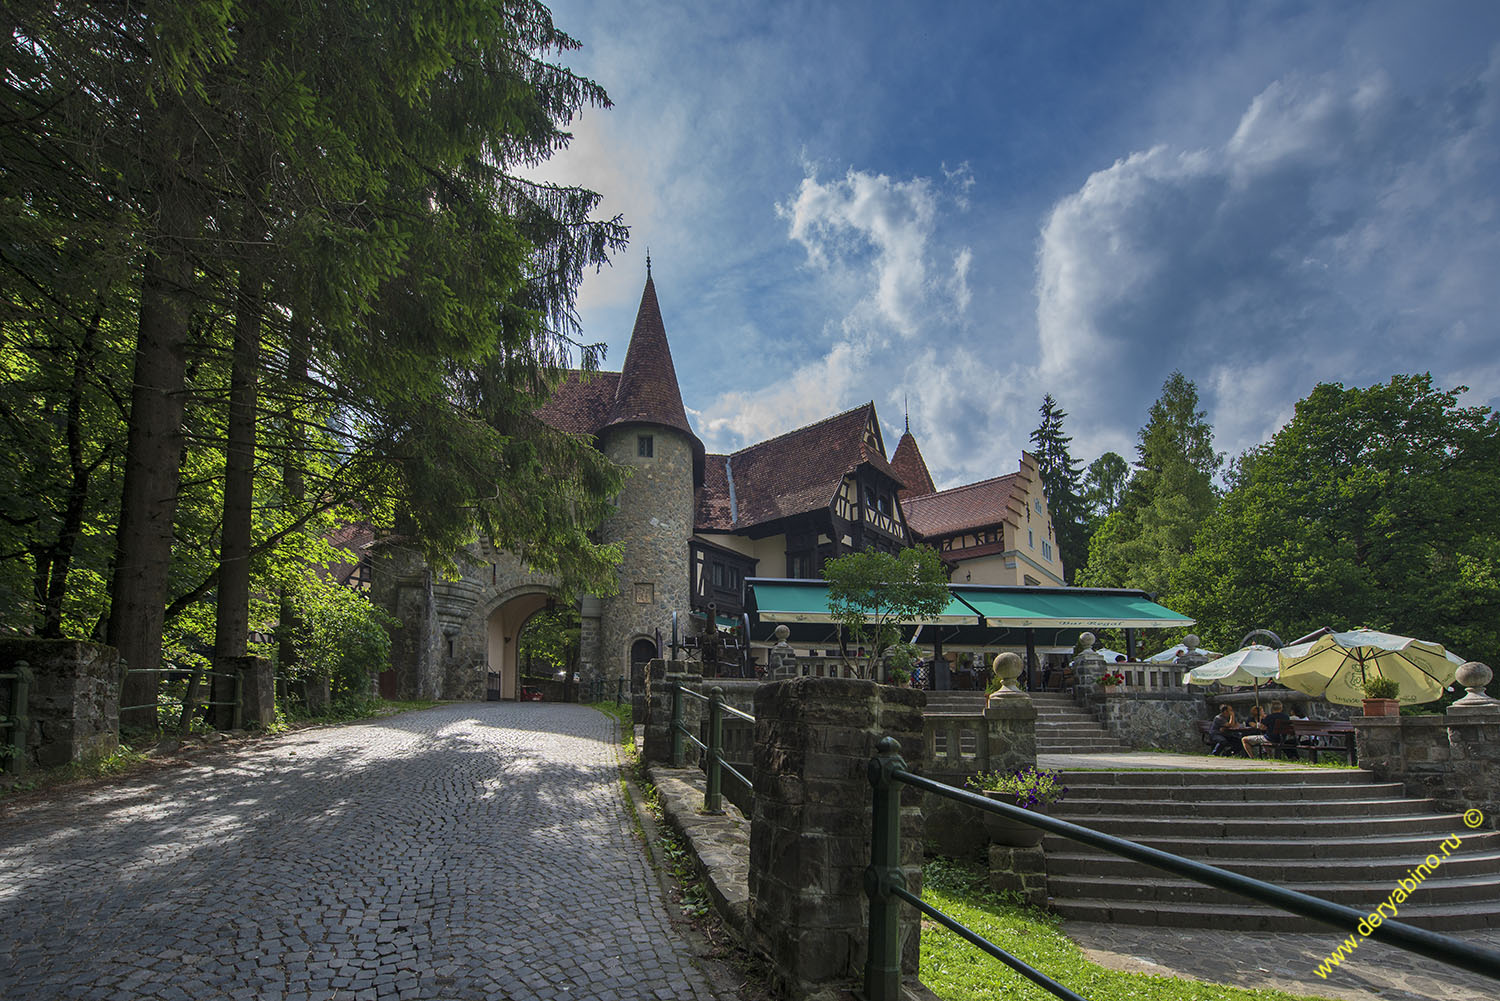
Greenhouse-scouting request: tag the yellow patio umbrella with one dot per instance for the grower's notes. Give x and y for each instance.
(1335, 666)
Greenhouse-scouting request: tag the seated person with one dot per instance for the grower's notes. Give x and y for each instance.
(1277, 728)
(1223, 742)
(1257, 717)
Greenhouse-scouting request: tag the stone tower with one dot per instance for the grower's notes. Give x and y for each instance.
(647, 431)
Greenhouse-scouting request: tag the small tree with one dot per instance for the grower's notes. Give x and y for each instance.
(870, 594)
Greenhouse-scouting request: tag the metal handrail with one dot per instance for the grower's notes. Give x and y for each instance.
(189, 704)
(18, 722)
(714, 765)
(885, 881)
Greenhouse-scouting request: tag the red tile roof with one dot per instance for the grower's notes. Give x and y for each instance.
(911, 469)
(714, 511)
(791, 474)
(581, 404)
(975, 505)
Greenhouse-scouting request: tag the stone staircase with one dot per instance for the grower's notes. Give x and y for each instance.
(1330, 833)
(1063, 728)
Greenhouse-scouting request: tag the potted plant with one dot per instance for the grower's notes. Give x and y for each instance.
(1030, 789)
(1380, 697)
(1111, 679)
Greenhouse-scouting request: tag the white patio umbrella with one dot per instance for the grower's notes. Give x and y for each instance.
(1110, 656)
(1334, 666)
(1246, 666)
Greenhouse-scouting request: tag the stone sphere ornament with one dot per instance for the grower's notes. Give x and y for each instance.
(1086, 641)
(1008, 668)
(1475, 677)
(1192, 642)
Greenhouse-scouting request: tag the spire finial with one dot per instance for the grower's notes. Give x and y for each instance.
(648, 263)
(906, 406)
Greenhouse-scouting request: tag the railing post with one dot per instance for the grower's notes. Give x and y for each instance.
(883, 966)
(713, 797)
(678, 757)
(238, 720)
(188, 703)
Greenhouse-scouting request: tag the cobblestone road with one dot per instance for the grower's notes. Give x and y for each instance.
(478, 851)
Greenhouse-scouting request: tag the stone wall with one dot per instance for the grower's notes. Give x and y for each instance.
(1453, 758)
(1164, 720)
(810, 835)
(74, 706)
(653, 523)
(960, 747)
(401, 583)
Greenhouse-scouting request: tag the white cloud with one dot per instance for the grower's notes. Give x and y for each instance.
(1332, 237)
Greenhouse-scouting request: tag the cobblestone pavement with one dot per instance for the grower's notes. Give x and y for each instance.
(476, 851)
(1287, 962)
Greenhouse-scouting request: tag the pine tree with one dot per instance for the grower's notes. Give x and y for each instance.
(1060, 478)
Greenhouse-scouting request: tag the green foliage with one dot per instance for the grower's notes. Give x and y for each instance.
(1372, 507)
(1059, 475)
(871, 594)
(1140, 544)
(1104, 485)
(549, 640)
(956, 971)
(1381, 688)
(1033, 787)
(340, 635)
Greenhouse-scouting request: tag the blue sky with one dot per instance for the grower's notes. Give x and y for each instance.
(969, 205)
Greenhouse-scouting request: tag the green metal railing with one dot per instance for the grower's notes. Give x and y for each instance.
(714, 765)
(189, 703)
(594, 690)
(886, 887)
(17, 723)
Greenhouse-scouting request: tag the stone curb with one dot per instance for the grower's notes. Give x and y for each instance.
(720, 846)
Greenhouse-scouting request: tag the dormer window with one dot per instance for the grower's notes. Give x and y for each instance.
(644, 446)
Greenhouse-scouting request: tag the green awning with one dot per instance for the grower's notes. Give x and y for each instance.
(806, 601)
(775, 600)
(1069, 608)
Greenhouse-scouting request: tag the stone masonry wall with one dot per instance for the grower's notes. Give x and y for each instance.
(960, 747)
(74, 705)
(653, 523)
(1452, 758)
(810, 836)
(1150, 719)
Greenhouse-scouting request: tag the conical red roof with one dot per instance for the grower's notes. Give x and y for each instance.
(647, 392)
(911, 469)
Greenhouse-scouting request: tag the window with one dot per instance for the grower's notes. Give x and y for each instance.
(1046, 550)
(1030, 539)
(718, 575)
(1038, 503)
(799, 565)
(644, 446)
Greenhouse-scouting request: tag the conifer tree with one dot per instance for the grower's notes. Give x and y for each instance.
(1059, 473)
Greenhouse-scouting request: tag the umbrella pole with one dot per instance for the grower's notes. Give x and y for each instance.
(1257, 694)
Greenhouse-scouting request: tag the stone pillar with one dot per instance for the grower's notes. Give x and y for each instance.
(74, 705)
(257, 690)
(660, 676)
(810, 836)
(1474, 756)
(1022, 871)
(1088, 665)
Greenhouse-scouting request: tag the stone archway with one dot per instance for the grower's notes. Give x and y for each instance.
(503, 631)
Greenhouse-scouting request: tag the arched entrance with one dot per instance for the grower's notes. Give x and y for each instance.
(503, 632)
(642, 652)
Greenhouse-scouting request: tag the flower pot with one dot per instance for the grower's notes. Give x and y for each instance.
(1382, 707)
(1011, 833)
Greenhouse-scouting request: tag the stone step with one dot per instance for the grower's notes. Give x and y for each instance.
(1326, 811)
(1411, 846)
(1137, 828)
(1245, 916)
(1434, 890)
(1165, 796)
(1287, 872)
(1196, 777)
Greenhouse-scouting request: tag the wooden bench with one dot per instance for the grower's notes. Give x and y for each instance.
(1337, 738)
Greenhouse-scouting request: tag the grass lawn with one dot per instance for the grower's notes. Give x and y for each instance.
(956, 971)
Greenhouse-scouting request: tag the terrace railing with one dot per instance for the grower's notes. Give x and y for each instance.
(714, 765)
(886, 888)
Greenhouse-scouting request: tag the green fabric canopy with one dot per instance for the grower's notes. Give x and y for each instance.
(806, 601)
(1068, 608)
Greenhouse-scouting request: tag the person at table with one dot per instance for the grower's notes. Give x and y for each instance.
(1277, 726)
(1256, 720)
(1219, 732)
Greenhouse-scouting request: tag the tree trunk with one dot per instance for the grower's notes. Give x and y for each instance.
(288, 619)
(78, 491)
(153, 456)
(232, 610)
